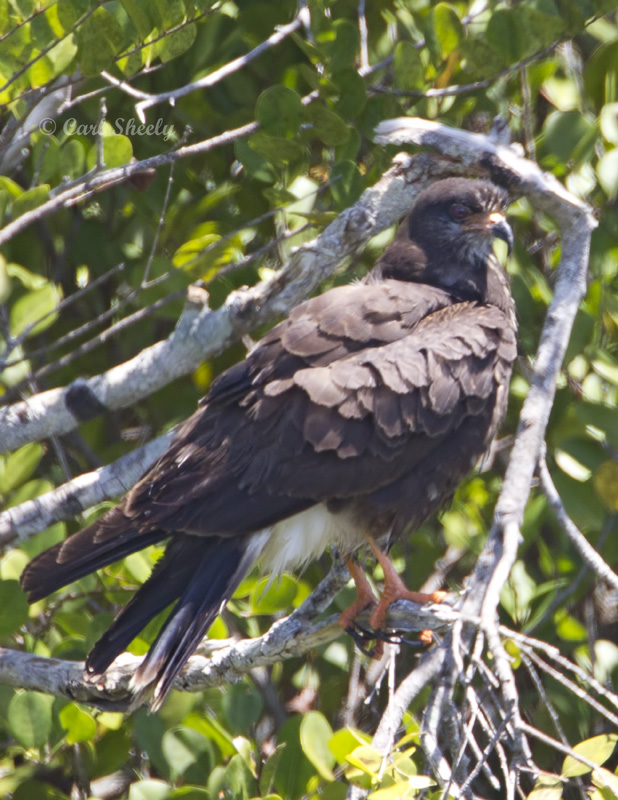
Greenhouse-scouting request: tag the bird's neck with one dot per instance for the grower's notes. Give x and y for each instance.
(485, 282)
(498, 290)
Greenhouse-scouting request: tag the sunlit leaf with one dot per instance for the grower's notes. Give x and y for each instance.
(597, 749)
(78, 723)
(315, 733)
(30, 718)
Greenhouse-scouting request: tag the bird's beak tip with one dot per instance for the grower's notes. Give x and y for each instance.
(501, 229)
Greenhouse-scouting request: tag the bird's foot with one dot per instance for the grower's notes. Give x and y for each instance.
(392, 593)
(395, 589)
(365, 597)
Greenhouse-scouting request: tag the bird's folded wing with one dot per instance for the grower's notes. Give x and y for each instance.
(298, 424)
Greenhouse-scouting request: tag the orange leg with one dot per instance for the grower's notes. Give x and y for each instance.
(395, 589)
(364, 595)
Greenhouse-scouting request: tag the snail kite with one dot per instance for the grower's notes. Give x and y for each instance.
(350, 422)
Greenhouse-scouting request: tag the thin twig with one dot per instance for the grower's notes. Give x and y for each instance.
(596, 563)
(301, 20)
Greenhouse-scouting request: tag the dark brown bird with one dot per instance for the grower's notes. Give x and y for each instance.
(351, 421)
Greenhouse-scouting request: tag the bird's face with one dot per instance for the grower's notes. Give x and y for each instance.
(471, 227)
(455, 222)
(460, 217)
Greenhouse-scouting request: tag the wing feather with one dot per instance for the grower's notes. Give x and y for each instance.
(344, 398)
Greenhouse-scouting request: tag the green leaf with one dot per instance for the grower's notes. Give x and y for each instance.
(294, 769)
(607, 782)
(238, 782)
(315, 733)
(72, 158)
(170, 12)
(481, 59)
(138, 14)
(269, 769)
(345, 741)
(149, 790)
(12, 565)
(243, 706)
(352, 93)
(505, 35)
(609, 122)
(607, 369)
(409, 69)
(346, 183)
(279, 596)
(447, 27)
(9, 185)
(177, 43)
(540, 25)
(570, 629)
(606, 484)
(367, 759)
(563, 132)
(5, 281)
(188, 753)
(546, 789)
(327, 126)
(341, 44)
(99, 38)
(35, 309)
(79, 725)
(13, 608)
(275, 150)
(607, 172)
(213, 730)
(30, 718)
(16, 468)
(117, 150)
(279, 111)
(31, 199)
(571, 466)
(597, 749)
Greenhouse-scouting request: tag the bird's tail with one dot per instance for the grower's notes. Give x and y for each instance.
(201, 574)
(109, 539)
(198, 573)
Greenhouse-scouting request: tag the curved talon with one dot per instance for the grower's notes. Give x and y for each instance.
(379, 634)
(359, 640)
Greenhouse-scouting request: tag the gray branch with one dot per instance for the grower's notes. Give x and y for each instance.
(216, 663)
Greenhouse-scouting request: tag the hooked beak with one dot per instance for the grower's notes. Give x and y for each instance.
(500, 228)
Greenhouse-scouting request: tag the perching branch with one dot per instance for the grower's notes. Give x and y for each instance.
(291, 637)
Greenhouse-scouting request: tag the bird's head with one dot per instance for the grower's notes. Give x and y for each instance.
(461, 217)
(447, 238)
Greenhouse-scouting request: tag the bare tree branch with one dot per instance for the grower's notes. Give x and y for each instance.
(594, 561)
(81, 493)
(224, 663)
(302, 19)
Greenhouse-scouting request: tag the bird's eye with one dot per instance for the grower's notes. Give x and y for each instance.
(459, 212)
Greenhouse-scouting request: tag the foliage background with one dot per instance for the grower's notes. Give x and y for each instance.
(226, 218)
